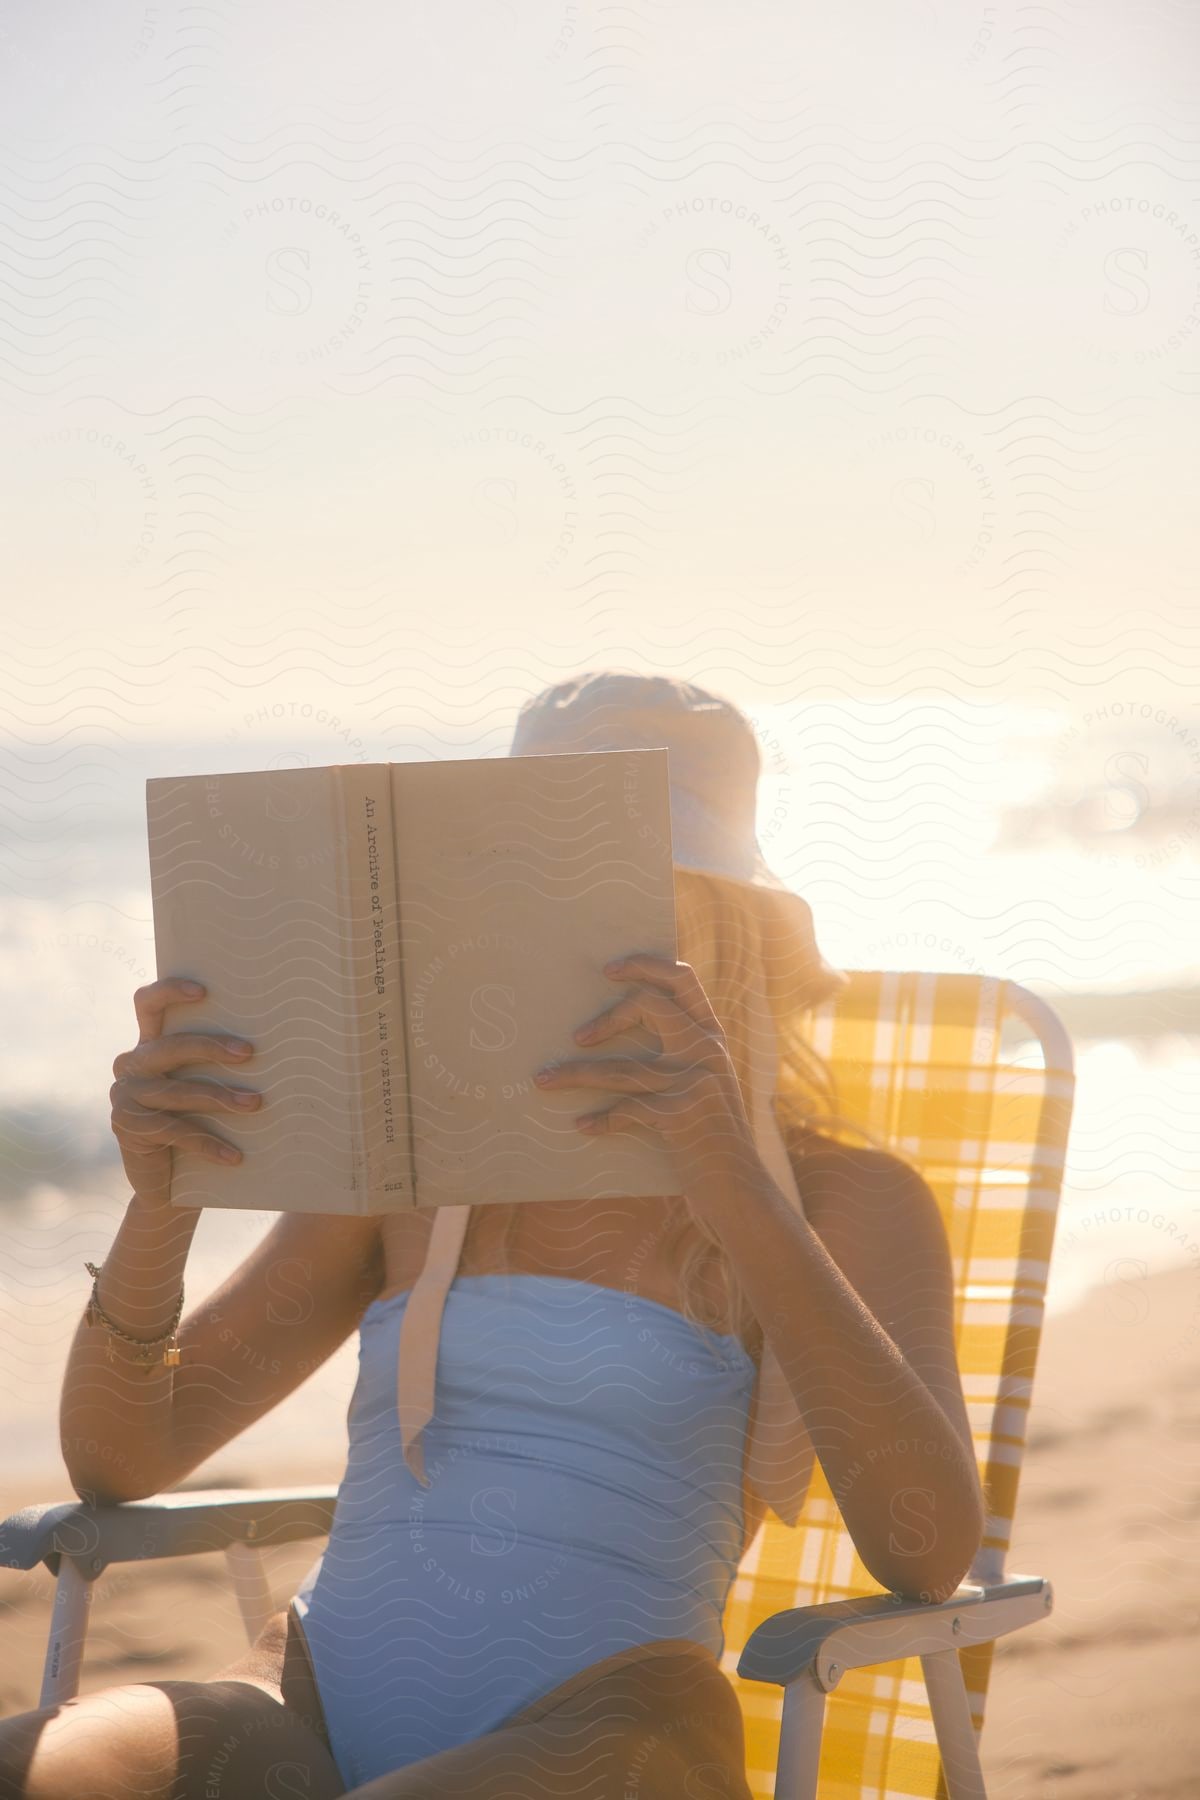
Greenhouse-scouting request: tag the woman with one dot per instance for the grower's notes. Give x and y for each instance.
(523, 1588)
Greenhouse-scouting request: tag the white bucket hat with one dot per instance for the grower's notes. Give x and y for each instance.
(714, 767)
(714, 763)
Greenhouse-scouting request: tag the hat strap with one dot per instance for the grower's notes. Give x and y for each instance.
(420, 1330)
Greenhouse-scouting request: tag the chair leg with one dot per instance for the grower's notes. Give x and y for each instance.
(800, 1739)
(250, 1585)
(68, 1634)
(961, 1769)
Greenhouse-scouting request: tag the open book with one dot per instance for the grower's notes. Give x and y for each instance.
(404, 944)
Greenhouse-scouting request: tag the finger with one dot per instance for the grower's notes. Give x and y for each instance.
(680, 1034)
(180, 1048)
(155, 1129)
(167, 1093)
(624, 1115)
(676, 978)
(150, 1003)
(623, 1074)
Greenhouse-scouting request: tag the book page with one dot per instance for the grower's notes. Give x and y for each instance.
(247, 872)
(519, 877)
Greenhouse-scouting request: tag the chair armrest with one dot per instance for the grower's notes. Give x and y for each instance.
(878, 1628)
(172, 1524)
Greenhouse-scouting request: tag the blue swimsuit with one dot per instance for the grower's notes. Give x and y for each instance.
(585, 1495)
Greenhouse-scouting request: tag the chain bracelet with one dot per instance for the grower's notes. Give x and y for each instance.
(97, 1315)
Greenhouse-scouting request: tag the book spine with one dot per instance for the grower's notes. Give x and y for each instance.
(402, 1069)
(383, 1174)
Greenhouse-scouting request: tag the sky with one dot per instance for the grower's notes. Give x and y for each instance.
(835, 349)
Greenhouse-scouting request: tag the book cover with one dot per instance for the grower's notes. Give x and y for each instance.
(405, 943)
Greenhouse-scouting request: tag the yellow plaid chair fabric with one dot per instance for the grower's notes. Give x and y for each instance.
(920, 1061)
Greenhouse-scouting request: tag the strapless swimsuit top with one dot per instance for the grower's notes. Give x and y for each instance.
(614, 1426)
(779, 1456)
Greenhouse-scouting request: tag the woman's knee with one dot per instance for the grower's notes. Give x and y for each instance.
(96, 1745)
(165, 1740)
(658, 1723)
(689, 1738)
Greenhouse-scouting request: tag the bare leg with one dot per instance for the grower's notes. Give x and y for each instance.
(662, 1725)
(252, 1733)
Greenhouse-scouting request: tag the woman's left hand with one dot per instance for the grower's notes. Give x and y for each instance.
(688, 1091)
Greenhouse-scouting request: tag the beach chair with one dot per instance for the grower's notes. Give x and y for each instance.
(847, 1691)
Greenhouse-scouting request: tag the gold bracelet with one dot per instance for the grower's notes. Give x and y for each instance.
(170, 1337)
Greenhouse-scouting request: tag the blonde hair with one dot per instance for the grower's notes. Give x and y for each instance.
(741, 943)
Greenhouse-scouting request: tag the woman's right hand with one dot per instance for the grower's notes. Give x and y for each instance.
(153, 1108)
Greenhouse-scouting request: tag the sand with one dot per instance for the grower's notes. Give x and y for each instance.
(1101, 1701)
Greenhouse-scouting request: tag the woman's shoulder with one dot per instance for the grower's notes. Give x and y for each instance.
(876, 1215)
(831, 1174)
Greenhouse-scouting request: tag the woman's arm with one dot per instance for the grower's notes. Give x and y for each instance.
(129, 1428)
(129, 1431)
(114, 1413)
(859, 1312)
(867, 1346)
